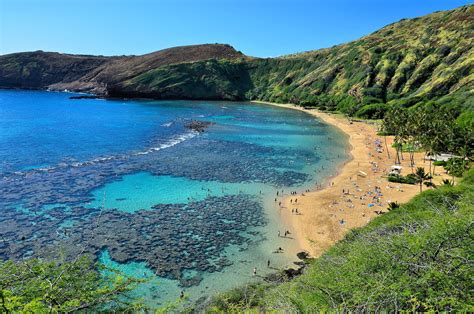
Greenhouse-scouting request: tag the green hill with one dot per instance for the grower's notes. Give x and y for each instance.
(430, 56)
(413, 60)
(416, 59)
(56, 71)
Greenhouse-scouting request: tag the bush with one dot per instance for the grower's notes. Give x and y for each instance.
(457, 166)
(372, 111)
(429, 184)
(37, 286)
(409, 179)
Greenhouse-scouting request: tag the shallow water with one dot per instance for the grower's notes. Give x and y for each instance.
(127, 182)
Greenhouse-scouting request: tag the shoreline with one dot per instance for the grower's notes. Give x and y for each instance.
(348, 199)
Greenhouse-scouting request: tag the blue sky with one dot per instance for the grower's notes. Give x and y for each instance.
(260, 28)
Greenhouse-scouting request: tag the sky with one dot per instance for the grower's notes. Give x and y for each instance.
(260, 28)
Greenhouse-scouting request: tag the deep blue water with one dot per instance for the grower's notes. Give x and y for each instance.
(127, 182)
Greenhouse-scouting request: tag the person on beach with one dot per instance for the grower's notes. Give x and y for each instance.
(255, 271)
(181, 295)
(268, 263)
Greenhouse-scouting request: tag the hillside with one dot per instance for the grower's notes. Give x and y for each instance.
(421, 58)
(39, 70)
(430, 56)
(414, 59)
(416, 258)
(57, 71)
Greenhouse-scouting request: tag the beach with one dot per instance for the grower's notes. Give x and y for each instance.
(358, 192)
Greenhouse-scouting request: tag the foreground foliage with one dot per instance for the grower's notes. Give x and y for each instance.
(36, 286)
(417, 257)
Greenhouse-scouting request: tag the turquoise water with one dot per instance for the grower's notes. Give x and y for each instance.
(130, 184)
(143, 190)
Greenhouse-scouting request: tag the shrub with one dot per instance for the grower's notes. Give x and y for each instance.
(439, 163)
(457, 166)
(37, 286)
(409, 179)
(372, 111)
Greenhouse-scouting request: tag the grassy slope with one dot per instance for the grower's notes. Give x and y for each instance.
(423, 58)
(94, 73)
(417, 257)
(209, 79)
(39, 69)
(426, 57)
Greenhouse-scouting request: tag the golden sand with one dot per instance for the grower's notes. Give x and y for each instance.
(350, 199)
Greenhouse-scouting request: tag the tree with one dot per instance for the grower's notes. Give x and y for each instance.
(36, 286)
(393, 205)
(456, 166)
(392, 123)
(447, 182)
(421, 176)
(385, 131)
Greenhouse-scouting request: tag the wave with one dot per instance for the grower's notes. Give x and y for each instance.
(170, 143)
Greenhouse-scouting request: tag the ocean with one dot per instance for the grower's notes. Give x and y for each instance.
(128, 182)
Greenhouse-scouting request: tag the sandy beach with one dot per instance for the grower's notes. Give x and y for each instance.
(350, 199)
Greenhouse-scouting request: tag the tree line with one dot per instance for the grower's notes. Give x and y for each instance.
(434, 129)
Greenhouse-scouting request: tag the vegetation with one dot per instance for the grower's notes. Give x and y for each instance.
(36, 286)
(403, 64)
(393, 206)
(409, 179)
(421, 176)
(434, 128)
(456, 166)
(417, 257)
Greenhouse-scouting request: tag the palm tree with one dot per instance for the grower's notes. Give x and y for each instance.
(429, 153)
(394, 121)
(421, 176)
(385, 128)
(447, 182)
(393, 205)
